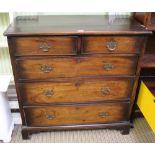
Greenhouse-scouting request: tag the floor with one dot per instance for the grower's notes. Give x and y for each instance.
(140, 134)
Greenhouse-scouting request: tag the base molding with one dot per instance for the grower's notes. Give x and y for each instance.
(124, 127)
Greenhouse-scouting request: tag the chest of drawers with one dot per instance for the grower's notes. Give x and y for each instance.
(75, 72)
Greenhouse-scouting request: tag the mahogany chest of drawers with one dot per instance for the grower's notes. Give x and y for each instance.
(75, 72)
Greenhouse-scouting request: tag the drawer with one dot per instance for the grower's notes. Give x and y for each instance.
(79, 114)
(75, 67)
(112, 44)
(45, 46)
(146, 101)
(76, 91)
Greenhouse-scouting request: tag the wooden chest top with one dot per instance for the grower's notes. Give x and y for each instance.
(74, 25)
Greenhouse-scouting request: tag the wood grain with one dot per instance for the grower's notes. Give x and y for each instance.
(75, 25)
(76, 70)
(46, 45)
(76, 91)
(146, 18)
(79, 114)
(124, 44)
(40, 68)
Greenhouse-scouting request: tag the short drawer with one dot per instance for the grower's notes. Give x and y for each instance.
(79, 114)
(112, 44)
(45, 46)
(39, 68)
(76, 91)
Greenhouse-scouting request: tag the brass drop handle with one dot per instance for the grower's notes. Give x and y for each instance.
(44, 46)
(105, 91)
(103, 114)
(50, 116)
(48, 93)
(111, 45)
(108, 67)
(46, 68)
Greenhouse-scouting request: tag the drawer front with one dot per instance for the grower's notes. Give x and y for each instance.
(111, 44)
(75, 91)
(79, 114)
(45, 45)
(76, 67)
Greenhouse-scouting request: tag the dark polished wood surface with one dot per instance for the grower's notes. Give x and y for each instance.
(79, 114)
(81, 66)
(84, 90)
(150, 83)
(122, 44)
(60, 62)
(46, 45)
(147, 19)
(148, 62)
(150, 47)
(77, 25)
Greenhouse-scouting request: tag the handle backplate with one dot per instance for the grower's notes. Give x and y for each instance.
(45, 47)
(50, 116)
(46, 68)
(48, 93)
(111, 45)
(103, 114)
(108, 67)
(105, 91)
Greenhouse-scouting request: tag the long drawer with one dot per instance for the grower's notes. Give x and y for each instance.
(112, 44)
(76, 91)
(79, 114)
(45, 45)
(38, 68)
